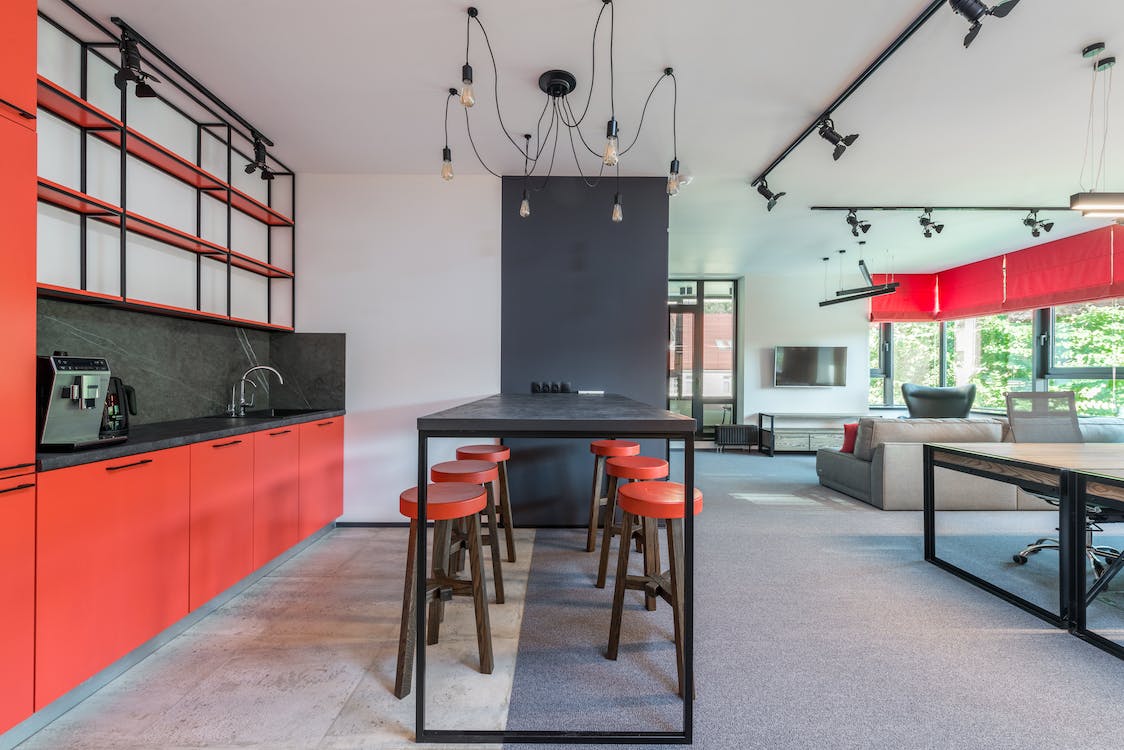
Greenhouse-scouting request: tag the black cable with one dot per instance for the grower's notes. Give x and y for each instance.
(612, 73)
(552, 126)
(593, 71)
(496, 82)
(467, 36)
(580, 134)
(674, 118)
(468, 127)
(554, 153)
(574, 148)
(645, 111)
(538, 129)
(447, 100)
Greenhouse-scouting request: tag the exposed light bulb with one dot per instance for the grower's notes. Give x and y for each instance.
(446, 164)
(611, 156)
(525, 206)
(468, 98)
(618, 211)
(673, 178)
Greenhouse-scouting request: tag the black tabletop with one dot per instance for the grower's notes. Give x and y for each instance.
(558, 414)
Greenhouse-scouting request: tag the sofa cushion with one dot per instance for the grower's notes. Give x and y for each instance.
(850, 432)
(843, 472)
(875, 432)
(1102, 429)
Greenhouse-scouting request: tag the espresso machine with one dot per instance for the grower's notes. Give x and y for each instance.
(71, 393)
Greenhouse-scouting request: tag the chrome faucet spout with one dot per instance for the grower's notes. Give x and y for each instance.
(239, 409)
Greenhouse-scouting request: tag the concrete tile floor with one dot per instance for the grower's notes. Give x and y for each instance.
(305, 658)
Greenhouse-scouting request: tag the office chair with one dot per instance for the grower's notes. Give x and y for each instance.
(1051, 417)
(926, 401)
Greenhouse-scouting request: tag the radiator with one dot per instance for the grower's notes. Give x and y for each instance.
(735, 434)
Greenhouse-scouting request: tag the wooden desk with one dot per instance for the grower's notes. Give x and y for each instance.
(561, 415)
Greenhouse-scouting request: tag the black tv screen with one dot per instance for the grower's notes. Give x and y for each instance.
(810, 366)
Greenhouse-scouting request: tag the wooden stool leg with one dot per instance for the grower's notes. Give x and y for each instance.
(405, 673)
(651, 547)
(505, 512)
(494, 541)
(442, 560)
(595, 502)
(460, 525)
(675, 561)
(607, 535)
(479, 595)
(618, 588)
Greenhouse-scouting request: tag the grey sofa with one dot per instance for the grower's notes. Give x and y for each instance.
(886, 468)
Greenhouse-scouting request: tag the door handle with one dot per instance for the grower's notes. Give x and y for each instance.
(325, 424)
(226, 445)
(282, 432)
(142, 462)
(17, 466)
(18, 487)
(19, 110)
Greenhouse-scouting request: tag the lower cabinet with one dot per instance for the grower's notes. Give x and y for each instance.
(321, 474)
(111, 563)
(276, 492)
(17, 599)
(222, 515)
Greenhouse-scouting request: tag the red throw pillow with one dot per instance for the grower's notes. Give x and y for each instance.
(850, 432)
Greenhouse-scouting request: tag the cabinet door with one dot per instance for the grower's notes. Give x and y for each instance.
(111, 563)
(17, 599)
(276, 492)
(17, 296)
(17, 60)
(321, 470)
(222, 515)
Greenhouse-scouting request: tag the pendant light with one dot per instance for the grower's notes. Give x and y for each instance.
(611, 157)
(618, 210)
(1093, 203)
(468, 97)
(447, 153)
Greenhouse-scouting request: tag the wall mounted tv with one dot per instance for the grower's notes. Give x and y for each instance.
(810, 366)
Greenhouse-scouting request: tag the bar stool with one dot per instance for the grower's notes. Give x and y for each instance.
(652, 501)
(499, 455)
(601, 450)
(445, 503)
(631, 468)
(487, 474)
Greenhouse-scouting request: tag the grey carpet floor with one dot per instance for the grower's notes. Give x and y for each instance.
(819, 626)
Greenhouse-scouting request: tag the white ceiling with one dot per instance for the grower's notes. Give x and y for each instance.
(359, 86)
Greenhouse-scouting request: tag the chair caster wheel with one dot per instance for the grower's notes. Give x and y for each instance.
(1021, 560)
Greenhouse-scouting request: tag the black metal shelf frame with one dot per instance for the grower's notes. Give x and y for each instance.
(221, 124)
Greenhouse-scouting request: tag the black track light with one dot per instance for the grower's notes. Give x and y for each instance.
(856, 225)
(131, 69)
(974, 10)
(764, 191)
(1036, 226)
(261, 157)
(927, 223)
(841, 142)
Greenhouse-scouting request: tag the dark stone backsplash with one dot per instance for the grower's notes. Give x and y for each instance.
(183, 369)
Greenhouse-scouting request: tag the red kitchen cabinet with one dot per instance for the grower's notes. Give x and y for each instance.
(17, 61)
(17, 599)
(111, 563)
(276, 492)
(222, 516)
(17, 295)
(321, 474)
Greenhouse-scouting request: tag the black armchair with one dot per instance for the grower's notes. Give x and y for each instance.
(926, 401)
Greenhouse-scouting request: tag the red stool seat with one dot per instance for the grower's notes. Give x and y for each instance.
(473, 472)
(636, 467)
(655, 499)
(493, 453)
(611, 448)
(445, 501)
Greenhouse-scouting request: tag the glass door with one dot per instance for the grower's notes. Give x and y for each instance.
(702, 351)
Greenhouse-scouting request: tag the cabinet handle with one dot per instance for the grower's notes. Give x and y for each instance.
(19, 110)
(17, 466)
(325, 424)
(18, 487)
(226, 445)
(282, 432)
(142, 462)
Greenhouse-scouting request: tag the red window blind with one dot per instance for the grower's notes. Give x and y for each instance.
(915, 301)
(971, 290)
(1072, 269)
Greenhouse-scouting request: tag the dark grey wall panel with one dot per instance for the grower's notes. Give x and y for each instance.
(584, 300)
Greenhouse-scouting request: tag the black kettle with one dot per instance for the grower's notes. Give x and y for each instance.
(120, 402)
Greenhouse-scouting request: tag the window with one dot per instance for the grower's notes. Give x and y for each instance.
(994, 353)
(915, 356)
(702, 351)
(879, 343)
(1086, 355)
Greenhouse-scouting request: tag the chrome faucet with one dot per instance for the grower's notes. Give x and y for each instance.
(238, 408)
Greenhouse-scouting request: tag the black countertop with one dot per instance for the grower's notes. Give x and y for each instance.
(512, 414)
(153, 437)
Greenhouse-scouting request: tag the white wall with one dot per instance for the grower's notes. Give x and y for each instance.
(409, 268)
(784, 310)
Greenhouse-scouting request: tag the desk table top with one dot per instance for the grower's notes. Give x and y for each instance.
(1098, 457)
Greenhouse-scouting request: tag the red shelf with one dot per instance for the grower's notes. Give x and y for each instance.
(270, 326)
(151, 152)
(255, 209)
(72, 200)
(53, 290)
(171, 236)
(75, 110)
(260, 267)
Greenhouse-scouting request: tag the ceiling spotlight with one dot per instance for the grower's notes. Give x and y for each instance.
(856, 225)
(1036, 226)
(261, 156)
(841, 142)
(764, 191)
(131, 69)
(974, 10)
(929, 225)
(1093, 50)
(1104, 63)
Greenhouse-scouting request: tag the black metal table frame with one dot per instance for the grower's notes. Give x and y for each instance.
(577, 736)
(1083, 595)
(1064, 490)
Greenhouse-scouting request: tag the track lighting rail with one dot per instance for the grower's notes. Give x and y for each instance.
(931, 207)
